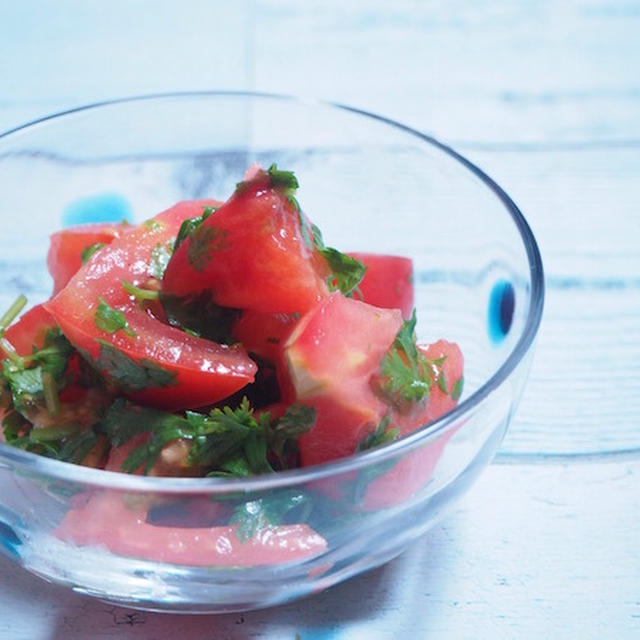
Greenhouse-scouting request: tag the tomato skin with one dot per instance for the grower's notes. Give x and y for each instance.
(30, 330)
(65, 248)
(106, 520)
(331, 355)
(203, 371)
(388, 281)
(251, 254)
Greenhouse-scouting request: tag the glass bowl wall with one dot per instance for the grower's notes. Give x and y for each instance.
(371, 185)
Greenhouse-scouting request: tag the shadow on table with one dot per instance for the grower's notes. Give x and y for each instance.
(410, 586)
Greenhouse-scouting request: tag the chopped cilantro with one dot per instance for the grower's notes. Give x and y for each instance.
(12, 313)
(111, 320)
(201, 316)
(139, 293)
(224, 442)
(282, 180)
(190, 225)
(407, 374)
(254, 516)
(382, 434)
(88, 251)
(458, 386)
(129, 374)
(24, 377)
(154, 225)
(205, 240)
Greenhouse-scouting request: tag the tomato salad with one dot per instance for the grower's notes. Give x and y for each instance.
(220, 339)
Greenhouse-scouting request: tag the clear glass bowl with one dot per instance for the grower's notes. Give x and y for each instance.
(371, 185)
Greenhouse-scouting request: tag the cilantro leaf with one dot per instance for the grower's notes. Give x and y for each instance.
(407, 375)
(111, 320)
(254, 516)
(458, 386)
(284, 181)
(190, 225)
(382, 434)
(129, 374)
(205, 241)
(225, 442)
(200, 315)
(124, 420)
(296, 420)
(89, 250)
(25, 377)
(346, 272)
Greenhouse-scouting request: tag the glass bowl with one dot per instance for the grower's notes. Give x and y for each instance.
(370, 184)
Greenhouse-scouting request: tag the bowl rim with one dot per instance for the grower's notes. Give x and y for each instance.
(115, 480)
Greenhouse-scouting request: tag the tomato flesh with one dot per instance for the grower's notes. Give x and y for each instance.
(252, 253)
(331, 356)
(107, 520)
(65, 248)
(29, 331)
(388, 282)
(193, 372)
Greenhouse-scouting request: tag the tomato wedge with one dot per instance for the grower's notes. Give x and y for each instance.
(332, 355)
(66, 248)
(388, 281)
(107, 520)
(413, 472)
(148, 360)
(255, 252)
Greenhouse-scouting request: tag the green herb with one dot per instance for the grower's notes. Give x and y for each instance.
(204, 242)
(111, 320)
(24, 377)
(408, 375)
(160, 256)
(129, 374)
(12, 313)
(154, 225)
(254, 516)
(190, 225)
(77, 447)
(224, 442)
(50, 392)
(282, 180)
(346, 272)
(199, 315)
(87, 252)
(139, 293)
(383, 434)
(296, 420)
(458, 386)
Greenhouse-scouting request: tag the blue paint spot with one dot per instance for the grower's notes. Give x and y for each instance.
(502, 302)
(9, 540)
(103, 207)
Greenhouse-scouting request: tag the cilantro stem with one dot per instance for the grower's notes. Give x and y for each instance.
(50, 391)
(140, 294)
(11, 353)
(12, 312)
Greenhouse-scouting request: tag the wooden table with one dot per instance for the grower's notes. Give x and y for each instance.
(545, 97)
